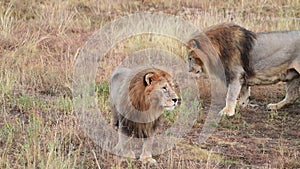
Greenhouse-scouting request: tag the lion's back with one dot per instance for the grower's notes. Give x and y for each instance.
(117, 80)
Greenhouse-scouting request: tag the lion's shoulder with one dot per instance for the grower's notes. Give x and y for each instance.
(233, 45)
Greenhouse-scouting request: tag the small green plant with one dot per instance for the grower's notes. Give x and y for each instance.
(272, 116)
(171, 116)
(25, 103)
(102, 89)
(63, 104)
(129, 163)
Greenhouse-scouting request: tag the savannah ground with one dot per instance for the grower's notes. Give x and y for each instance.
(39, 43)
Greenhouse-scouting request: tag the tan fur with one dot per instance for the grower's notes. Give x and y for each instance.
(138, 98)
(274, 57)
(232, 45)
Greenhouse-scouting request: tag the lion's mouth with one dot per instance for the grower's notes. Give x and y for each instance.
(173, 104)
(169, 107)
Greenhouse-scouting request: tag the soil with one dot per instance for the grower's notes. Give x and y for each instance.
(253, 138)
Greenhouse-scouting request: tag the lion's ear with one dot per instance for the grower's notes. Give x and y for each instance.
(194, 44)
(148, 78)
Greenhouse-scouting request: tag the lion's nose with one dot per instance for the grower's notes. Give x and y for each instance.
(175, 100)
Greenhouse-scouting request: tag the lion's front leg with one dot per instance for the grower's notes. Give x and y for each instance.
(146, 156)
(292, 93)
(233, 92)
(123, 146)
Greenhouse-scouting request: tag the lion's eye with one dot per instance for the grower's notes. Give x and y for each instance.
(190, 59)
(165, 89)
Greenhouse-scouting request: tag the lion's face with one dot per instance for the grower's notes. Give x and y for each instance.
(160, 89)
(195, 64)
(163, 95)
(194, 52)
(153, 90)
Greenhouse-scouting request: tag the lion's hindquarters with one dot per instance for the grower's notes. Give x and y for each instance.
(116, 79)
(277, 58)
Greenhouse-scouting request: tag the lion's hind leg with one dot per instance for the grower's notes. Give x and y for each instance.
(115, 116)
(292, 93)
(292, 89)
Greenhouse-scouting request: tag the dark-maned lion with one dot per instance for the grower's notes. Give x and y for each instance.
(138, 98)
(272, 57)
(232, 44)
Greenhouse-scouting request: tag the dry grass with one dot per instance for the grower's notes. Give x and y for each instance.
(38, 47)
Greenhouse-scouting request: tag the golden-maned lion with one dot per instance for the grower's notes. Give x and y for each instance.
(250, 59)
(138, 98)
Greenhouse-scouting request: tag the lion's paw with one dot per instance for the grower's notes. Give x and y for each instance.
(226, 111)
(273, 106)
(252, 106)
(129, 154)
(148, 160)
(124, 152)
